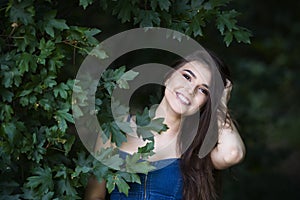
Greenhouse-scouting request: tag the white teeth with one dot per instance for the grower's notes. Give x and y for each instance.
(183, 99)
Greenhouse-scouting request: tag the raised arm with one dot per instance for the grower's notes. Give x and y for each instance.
(230, 149)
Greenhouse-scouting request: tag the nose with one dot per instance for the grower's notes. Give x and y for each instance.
(191, 88)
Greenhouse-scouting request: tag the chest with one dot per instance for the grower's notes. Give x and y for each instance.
(165, 145)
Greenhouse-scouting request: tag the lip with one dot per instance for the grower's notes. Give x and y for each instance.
(183, 99)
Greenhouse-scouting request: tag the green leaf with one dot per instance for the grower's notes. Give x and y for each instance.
(143, 119)
(135, 165)
(25, 92)
(122, 185)
(65, 115)
(45, 103)
(10, 76)
(147, 18)
(79, 170)
(113, 75)
(46, 49)
(228, 38)
(25, 62)
(124, 10)
(48, 196)
(100, 170)
(85, 3)
(50, 81)
(10, 130)
(42, 181)
(61, 117)
(61, 90)
(65, 188)
(125, 126)
(112, 129)
(89, 38)
(6, 95)
(130, 177)
(144, 132)
(23, 12)
(110, 183)
(195, 27)
(181, 7)
(153, 109)
(120, 111)
(116, 179)
(164, 4)
(83, 163)
(61, 171)
(129, 75)
(51, 23)
(59, 24)
(157, 125)
(242, 36)
(6, 112)
(98, 53)
(109, 86)
(68, 145)
(227, 19)
(76, 110)
(110, 158)
(146, 125)
(147, 150)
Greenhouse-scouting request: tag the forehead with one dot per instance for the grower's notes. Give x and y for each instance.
(202, 71)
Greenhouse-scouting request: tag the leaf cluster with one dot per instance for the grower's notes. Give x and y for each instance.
(36, 137)
(190, 17)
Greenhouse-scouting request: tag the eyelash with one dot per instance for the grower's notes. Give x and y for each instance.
(204, 91)
(187, 77)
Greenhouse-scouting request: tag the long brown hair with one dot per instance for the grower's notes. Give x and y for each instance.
(199, 173)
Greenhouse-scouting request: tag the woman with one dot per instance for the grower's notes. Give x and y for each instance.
(192, 92)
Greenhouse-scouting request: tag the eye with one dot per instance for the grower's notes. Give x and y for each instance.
(187, 77)
(204, 91)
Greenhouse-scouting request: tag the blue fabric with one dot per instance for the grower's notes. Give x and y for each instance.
(165, 183)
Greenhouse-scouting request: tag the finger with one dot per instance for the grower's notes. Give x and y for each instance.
(228, 83)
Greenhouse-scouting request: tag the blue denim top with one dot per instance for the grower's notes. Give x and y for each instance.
(165, 183)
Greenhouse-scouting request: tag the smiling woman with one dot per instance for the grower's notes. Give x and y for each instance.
(194, 101)
(187, 89)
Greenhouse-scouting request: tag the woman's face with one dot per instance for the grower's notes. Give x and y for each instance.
(187, 89)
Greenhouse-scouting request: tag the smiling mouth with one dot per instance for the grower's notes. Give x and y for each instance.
(183, 99)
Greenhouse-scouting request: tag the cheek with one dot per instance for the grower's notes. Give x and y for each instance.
(200, 101)
(175, 80)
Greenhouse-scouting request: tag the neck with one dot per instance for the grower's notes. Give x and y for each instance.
(171, 119)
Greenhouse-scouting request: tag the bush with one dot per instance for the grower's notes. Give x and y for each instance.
(41, 154)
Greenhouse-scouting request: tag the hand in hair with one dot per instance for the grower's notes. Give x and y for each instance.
(230, 149)
(226, 94)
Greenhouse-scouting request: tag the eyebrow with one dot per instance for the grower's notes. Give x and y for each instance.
(205, 86)
(190, 72)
